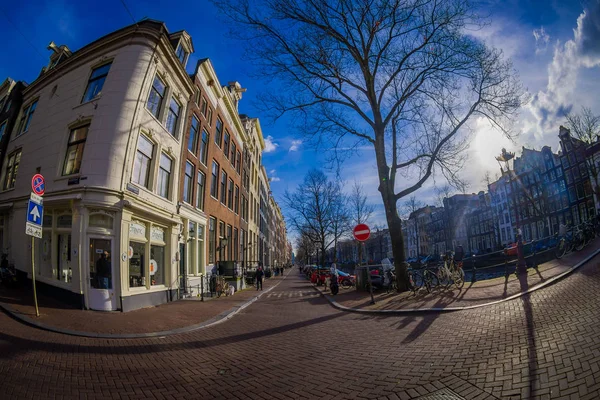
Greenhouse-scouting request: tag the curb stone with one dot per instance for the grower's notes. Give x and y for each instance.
(549, 282)
(224, 316)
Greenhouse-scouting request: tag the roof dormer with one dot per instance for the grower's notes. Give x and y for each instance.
(183, 46)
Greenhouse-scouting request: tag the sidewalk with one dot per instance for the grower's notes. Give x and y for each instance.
(471, 294)
(169, 318)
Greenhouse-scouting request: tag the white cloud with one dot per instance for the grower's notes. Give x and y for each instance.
(270, 145)
(295, 145)
(275, 179)
(541, 40)
(550, 105)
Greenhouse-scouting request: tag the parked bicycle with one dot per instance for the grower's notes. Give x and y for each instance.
(450, 272)
(222, 286)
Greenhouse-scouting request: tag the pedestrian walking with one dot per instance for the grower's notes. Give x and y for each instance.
(259, 278)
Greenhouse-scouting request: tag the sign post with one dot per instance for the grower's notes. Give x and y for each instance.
(361, 233)
(33, 225)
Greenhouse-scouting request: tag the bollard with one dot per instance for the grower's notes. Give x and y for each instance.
(201, 287)
(474, 269)
(506, 274)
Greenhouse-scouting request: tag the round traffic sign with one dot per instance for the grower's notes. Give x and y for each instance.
(361, 232)
(38, 184)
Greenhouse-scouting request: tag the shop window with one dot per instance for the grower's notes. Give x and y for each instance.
(64, 221)
(137, 264)
(47, 221)
(157, 265)
(229, 244)
(101, 221)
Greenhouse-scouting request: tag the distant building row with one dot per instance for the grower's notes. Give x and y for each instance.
(142, 160)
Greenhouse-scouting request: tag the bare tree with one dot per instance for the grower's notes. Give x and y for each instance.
(315, 211)
(586, 127)
(442, 193)
(402, 76)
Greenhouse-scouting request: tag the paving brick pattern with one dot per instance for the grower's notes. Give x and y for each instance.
(293, 346)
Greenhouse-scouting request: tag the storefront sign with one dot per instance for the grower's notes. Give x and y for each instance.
(157, 234)
(137, 229)
(133, 189)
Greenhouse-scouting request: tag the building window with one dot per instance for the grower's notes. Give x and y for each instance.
(235, 244)
(75, 147)
(223, 187)
(187, 182)
(173, 117)
(229, 244)
(233, 151)
(157, 93)
(197, 96)
(226, 144)
(200, 190)
(236, 200)
(96, 82)
(26, 116)
(209, 117)
(2, 129)
(181, 54)
(143, 158)
(238, 163)
(230, 194)
(212, 239)
(214, 181)
(204, 147)
(193, 139)
(12, 167)
(204, 107)
(164, 175)
(219, 132)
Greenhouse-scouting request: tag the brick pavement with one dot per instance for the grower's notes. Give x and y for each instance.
(470, 294)
(160, 318)
(543, 345)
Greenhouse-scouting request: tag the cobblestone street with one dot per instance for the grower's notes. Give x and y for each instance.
(292, 344)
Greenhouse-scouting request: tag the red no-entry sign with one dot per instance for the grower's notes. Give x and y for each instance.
(361, 232)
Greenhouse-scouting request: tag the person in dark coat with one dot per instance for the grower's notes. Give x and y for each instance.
(259, 278)
(103, 271)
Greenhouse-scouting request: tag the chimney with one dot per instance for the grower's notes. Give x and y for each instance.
(52, 46)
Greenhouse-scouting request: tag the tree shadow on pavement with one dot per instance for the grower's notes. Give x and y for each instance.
(530, 328)
(23, 345)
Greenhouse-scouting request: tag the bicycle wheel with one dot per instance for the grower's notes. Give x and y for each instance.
(561, 249)
(443, 278)
(579, 241)
(346, 283)
(459, 278)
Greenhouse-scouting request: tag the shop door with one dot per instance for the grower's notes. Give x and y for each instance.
(101, 291)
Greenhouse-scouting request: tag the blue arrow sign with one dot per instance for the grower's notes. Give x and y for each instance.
(35, 213)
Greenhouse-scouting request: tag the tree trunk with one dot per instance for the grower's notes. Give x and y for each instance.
(386, 188)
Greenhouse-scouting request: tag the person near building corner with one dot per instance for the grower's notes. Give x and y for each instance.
(103, 270)
(259, 278)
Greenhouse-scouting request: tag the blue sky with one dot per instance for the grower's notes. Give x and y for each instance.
(545, 39)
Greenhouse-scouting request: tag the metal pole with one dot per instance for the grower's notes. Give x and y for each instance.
(370, 283)
(201, 287)
(37, 311)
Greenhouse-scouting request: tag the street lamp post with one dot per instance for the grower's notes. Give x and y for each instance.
(504, 158)
(222, 245)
